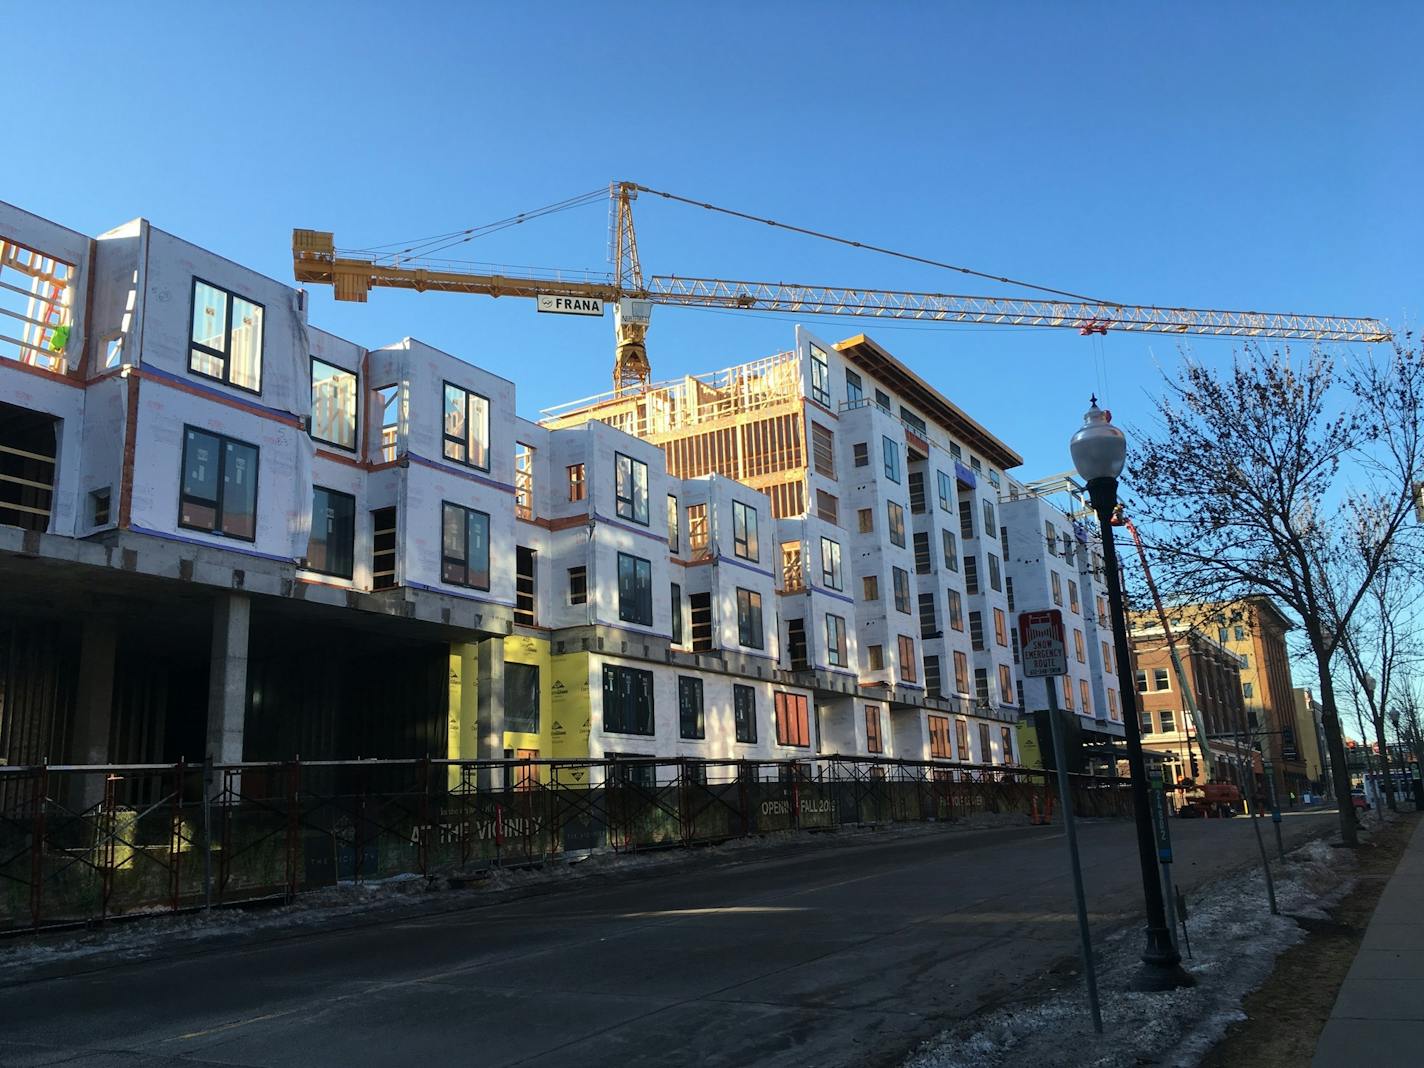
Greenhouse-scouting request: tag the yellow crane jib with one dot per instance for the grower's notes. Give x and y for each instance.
(315, 260)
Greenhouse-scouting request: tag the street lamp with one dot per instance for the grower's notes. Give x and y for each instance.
(1099, 450)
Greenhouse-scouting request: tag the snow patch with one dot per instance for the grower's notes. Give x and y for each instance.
(1234, 940)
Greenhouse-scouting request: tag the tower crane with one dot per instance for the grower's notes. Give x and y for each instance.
(352, 275)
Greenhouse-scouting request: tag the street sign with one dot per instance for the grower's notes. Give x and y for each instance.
(569, 305)
(1161, 825)
(1041, 645)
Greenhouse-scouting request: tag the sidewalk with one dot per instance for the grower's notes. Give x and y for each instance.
(1379, 1013)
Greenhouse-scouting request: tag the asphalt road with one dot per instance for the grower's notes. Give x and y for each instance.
(850, 953)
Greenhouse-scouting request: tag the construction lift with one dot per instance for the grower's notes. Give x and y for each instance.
(353, 273)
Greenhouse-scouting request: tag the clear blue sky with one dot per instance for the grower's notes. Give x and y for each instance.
(1264, 156)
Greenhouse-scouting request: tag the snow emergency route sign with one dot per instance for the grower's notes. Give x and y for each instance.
(1041, 644)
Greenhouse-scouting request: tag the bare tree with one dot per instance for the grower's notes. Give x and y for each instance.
(1378, 642)
(1287, 477)
(1408, 722)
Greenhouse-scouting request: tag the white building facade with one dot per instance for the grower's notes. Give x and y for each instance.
(247, 538)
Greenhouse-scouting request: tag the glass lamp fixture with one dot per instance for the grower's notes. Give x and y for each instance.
(1099, 449)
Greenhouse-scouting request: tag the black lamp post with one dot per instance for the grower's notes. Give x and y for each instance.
(1099, 451)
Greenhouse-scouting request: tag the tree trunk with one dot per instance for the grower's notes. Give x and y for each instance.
(1335, 742)
(1385, 773)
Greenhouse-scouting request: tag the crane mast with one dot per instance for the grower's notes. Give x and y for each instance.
(315, 259)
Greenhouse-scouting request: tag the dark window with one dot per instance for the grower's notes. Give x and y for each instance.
(909, 666)
(990, 523)
(956, 610)
(827, 507)
(971, 574)
(632, 769)
(873, 742)
(332, 548)
(835, 641)
(996, 581)
(855, 391)
(946, 491)
(333, 414)
(676, 614)
(895, 516)
(635, 590)
(521, 698)
(892, 459)
(902, 589)
(861, 453)
(690, 721)
(793, 720)
(951, 550)
(383, 548)
(882, 400)
(744, 532)
(227, 337)
(467, 427)
(219, 491)
(631, 489)
(966, 523)
(749, 632)
(464, 547)
(627, 700)
(1141, 677)
(939, 737)
(820, 377)
(578, 585)
(981, 687)
(976, 630)
(744, 712)
(831, 564)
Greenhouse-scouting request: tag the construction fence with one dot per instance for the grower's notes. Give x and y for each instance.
(85, 843)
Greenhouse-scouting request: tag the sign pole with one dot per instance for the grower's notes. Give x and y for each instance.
(1160, 824)
(1044, 654)
(1065, 801)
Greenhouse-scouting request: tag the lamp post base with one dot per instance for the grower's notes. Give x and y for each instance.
(1161, 966)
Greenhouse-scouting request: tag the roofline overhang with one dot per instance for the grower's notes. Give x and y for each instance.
(872, 358)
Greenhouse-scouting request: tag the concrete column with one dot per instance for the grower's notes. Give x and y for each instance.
(489, 669)
(94, 706)
(227, 679)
